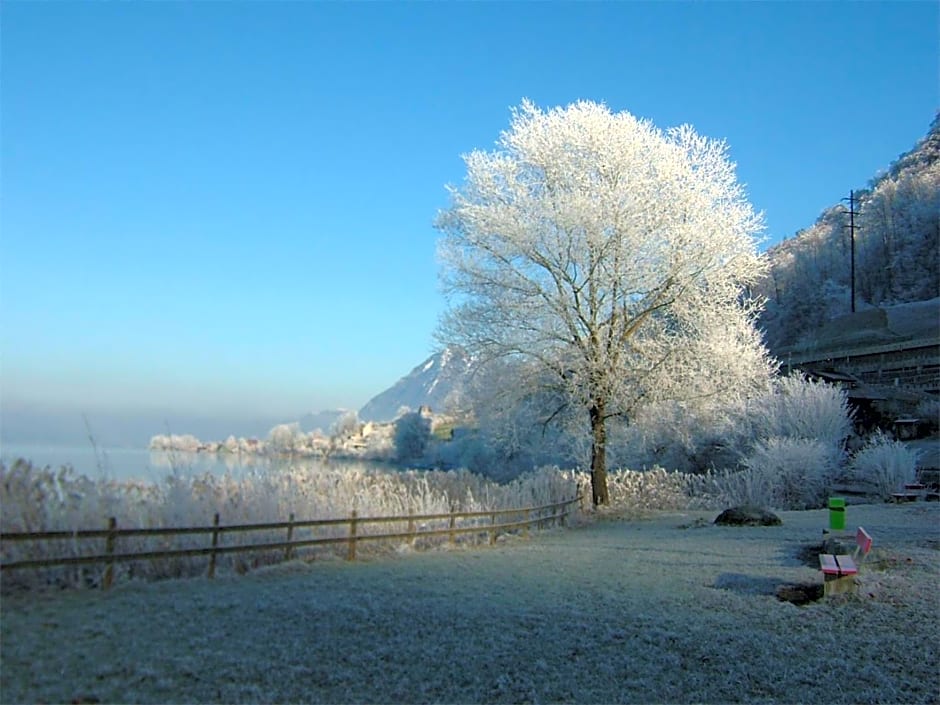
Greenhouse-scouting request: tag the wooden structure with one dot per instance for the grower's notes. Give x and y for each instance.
(912, 365)
(450, 525)
(912, 492)
(839, 571)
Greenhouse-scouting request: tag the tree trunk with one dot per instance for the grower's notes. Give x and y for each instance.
(599, 493)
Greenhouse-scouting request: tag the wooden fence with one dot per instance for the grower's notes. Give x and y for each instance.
(482, 522)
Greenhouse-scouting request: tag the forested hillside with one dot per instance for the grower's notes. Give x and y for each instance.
(897, 250)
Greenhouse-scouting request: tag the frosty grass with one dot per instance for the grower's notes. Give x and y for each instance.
(665, 609)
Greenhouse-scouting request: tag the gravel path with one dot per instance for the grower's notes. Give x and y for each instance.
(670, 609)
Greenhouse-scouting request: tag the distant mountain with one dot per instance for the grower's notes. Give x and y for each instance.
(437, 382)
(896, 246)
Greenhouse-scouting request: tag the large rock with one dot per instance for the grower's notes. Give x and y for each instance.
(747, 516)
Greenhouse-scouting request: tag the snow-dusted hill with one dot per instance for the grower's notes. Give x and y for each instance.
(896, 256)
(436, 383)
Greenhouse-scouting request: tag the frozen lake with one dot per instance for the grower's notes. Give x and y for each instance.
(154, 466)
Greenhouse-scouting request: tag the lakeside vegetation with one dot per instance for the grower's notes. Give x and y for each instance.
(781, 473)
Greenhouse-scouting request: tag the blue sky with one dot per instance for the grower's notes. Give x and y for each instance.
(225, 209)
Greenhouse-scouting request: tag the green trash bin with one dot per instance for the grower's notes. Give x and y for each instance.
(836, 513)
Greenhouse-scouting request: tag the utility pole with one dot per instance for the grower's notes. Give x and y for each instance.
(852, 228)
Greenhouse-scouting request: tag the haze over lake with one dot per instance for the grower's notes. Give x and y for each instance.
(153, 466)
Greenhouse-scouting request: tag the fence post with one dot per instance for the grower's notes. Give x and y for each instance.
(215, 544)
(109, 551)
(351, 553)
(492, 529)
(290, 537)
(564, 514)
(525, 527)
(411, 528)
(453, 522)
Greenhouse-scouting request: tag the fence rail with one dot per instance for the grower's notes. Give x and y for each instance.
(535, 515)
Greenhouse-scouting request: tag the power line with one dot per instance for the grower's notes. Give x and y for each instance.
(852, 228)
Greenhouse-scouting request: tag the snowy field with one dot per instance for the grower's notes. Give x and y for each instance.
(663, 609)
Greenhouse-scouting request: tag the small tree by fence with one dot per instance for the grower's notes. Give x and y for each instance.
(282, 539)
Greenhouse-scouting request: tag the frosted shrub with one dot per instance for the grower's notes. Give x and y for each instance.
(543, 486)
(647, 490)
(708, 436)
(885, 464)
(784, 473)
(751, 486)
(801, 408)
(658, 489)
(675, 437)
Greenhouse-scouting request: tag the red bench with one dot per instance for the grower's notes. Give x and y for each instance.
(839, 571)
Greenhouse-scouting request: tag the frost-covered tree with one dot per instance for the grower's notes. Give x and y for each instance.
(346, 425)
(230, 444)
(285, 437)
(600, 249)
(412, 434)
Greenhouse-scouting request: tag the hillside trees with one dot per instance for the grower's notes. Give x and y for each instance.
(897, 250)
(900, 259)
(598, 252)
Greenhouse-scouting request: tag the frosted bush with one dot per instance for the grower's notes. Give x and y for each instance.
(538, 488)
(801, 408)
(648, 490)
(885, 464)
(676, 437)
(751, 486)
(706, 437)
(657, 489)
(784, 473)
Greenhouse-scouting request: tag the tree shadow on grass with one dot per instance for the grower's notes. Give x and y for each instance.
(793, 554)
